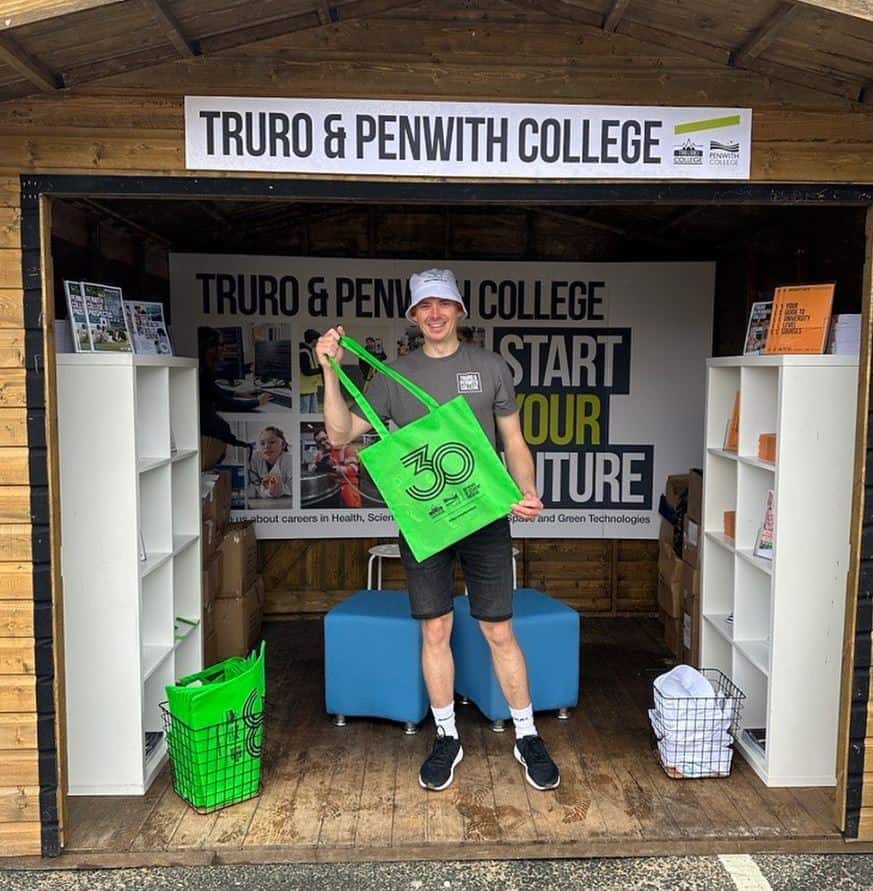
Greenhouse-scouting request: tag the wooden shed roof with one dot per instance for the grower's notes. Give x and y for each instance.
(50, 46)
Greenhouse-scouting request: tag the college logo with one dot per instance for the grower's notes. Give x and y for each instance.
(452, 463)
(688, 153)
(469, 382)
(724, 154)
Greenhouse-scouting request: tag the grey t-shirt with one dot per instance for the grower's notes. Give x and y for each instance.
(481, 376)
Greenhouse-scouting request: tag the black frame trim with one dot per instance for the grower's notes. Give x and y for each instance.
(371, 191)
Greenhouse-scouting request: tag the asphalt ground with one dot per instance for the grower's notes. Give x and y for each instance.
(835, 872)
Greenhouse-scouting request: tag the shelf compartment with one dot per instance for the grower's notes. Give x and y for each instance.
(759, 411)
(155, 761)
(155, 509)
(722, 387)
(721, 492)
(152, 657)
(181, 542)
(719, 653)
(754, 483)
(719, 621)
(156, 619)
(757, 652)
(152, 411)
(185, 476)
(717, 582)
(153, 562)
(182, 395)
(765, 566)
(187, 583)
(754, 461)
(752, 604)
(183, 454)
(722, 540)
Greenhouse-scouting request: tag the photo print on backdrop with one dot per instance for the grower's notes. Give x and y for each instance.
(333, 476)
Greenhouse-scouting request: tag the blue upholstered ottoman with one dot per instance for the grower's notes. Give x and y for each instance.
(549, 634)
(372, 658)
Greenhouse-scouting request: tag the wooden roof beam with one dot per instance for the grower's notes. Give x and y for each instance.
(324, 11)
(28, 66)
(765, 35)
(166, 19)
(856, 9)
(301, 21)
(25, 12)
(613, 17)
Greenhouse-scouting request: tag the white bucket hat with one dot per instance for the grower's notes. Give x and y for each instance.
(438, 283)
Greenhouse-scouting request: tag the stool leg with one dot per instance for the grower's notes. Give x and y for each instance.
(563, 714)
(410, 728)
(463, 700)
(339, 720)
(370, 572)
(498, 726)
(380, 572)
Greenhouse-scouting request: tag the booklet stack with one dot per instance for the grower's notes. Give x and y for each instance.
(845, 335)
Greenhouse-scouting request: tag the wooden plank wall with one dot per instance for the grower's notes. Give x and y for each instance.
(596, 577)
(19, 762)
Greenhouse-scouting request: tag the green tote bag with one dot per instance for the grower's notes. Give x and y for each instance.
(439, 475)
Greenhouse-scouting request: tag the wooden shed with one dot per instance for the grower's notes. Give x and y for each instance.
(93, 180)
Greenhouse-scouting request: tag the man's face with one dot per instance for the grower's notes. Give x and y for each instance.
(438, 319)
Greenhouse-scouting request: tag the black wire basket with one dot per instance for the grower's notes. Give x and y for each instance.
(216, 766)
(695, 736)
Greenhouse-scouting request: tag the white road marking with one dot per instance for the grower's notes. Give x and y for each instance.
(744, 872)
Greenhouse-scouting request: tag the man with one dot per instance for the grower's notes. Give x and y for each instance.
(445, 367)
(310, 375)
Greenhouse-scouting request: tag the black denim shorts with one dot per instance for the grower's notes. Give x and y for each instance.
(486, 560)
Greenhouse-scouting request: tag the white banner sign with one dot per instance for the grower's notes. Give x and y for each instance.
(608, 361)
(466, 139)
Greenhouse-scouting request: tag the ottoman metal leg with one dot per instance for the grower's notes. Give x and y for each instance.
(498, 726)
(410, 728)
(339, 720)
(563, 714)
(463, 700)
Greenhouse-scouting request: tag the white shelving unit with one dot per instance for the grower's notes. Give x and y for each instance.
(783, 646)
(121, 483)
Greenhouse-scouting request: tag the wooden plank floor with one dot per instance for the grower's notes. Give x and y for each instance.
(352, 793)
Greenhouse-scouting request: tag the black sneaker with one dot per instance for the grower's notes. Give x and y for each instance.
(438, 770)
(539, 769)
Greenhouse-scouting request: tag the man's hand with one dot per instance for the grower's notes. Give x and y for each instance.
(328, 345)
(264, 398)
(529, 508)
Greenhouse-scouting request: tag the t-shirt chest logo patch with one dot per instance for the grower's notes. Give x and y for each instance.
(469, 382)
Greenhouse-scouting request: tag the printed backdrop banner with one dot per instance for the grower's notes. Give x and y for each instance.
(608, 361)
(481, 139)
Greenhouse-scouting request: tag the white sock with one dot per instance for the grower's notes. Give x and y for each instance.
(445, 719)
(523, 720)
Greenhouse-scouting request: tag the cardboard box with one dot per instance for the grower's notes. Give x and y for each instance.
(672, 634)
(690, 541)
(212, 574)
(215, 504)
(690, 580)
(670, 598)
(210, 540)
(238, 621)
(211, 451)
(669, 564)
(239, 549)
(695, 495)
(691, 631)
(730, 523)
(675, 487)
(210, 649)
(208, 619)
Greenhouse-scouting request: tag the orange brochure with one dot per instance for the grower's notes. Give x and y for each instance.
(800, 319)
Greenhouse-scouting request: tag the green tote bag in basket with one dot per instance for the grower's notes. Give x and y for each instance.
(439, 475)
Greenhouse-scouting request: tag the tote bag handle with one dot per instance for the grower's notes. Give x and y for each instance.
(369, 412)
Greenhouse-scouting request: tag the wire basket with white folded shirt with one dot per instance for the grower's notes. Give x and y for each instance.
(695, 721)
